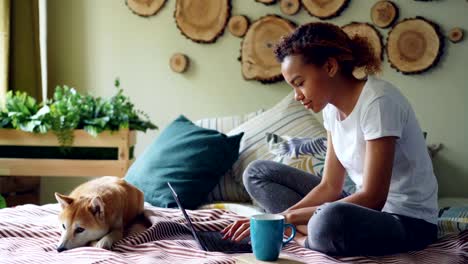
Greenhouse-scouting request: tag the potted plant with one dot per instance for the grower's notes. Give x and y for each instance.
(69, 135)
(2, 202)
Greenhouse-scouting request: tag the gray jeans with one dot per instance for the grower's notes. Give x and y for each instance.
(336, 228)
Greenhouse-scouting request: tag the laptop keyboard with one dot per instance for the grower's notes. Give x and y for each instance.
(213, 242)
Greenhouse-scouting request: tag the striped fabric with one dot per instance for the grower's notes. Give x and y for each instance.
(227, 189)
(288, 117)
(29, 234)
(452, 220)
(244, 209)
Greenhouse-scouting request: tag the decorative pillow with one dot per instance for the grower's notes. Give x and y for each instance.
(452, 220)
(190, 157)
(227, 123)
(307, 154)
(287, 117)
(227, 189)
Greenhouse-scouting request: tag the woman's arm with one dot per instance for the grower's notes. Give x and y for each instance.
(378, 166)
(331, 186)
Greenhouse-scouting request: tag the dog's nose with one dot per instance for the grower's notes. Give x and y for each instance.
(61, 248)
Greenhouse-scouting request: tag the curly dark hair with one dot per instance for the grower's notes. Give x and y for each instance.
(316, 42)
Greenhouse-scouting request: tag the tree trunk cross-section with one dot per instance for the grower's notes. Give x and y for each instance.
(145, 8)
(384, 13)
(325, 9)
(202, 21)
(414, 45)
(257, 58)
(374, 38)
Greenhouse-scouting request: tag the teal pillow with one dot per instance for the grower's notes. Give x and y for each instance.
(191, 158)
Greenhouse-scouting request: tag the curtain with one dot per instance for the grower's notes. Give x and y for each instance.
(25, 55)
(4, 50)
(22, 48)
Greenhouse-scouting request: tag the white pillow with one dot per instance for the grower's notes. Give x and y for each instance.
(227, 189)
(288, 117)
(227, 123)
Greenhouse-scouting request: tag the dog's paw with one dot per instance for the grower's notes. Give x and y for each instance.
(105, 243)
(92, 243)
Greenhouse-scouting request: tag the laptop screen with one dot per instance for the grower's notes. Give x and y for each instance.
(179, 204)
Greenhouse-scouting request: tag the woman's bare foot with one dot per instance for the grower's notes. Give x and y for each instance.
(300, 239)
(302, 229)
(301, 234)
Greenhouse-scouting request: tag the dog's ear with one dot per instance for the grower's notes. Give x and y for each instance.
(63, 200)
(97, 207)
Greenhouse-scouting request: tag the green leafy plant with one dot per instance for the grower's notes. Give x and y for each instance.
(68, 110)
(2, 202)
(22, 112)
(64, 113)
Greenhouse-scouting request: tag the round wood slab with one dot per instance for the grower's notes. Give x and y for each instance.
(384, 13)
(374, 38)
(266, 2)
(238, 25)
(179, 62)
(145, 7)
(325, 9)
(202, 21)
(258, 61)
(414, 45)
(290, 7)
(455, 35)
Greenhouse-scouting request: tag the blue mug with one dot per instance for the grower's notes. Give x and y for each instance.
(266, 235)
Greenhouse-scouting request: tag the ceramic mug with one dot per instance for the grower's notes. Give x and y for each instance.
(266, 235)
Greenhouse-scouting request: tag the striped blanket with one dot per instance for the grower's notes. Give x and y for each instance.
(29, 234)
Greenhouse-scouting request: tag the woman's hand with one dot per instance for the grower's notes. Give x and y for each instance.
(299, 216)
(238, 230)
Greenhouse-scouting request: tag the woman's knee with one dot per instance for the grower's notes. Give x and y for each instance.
(255, 171)
(327, 227)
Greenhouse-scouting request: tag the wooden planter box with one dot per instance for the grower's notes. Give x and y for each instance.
(14, 144)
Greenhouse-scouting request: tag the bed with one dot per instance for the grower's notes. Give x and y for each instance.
(29, 233)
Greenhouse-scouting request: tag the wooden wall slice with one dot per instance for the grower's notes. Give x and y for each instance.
(414, 45)
(266, 2)
(179, 62)
(367, 31)
(325, 9)
(145, 7)
(384, 13)
(238, 25)
(258, 61)
(202, 21)
(290, 7)
(455, 35)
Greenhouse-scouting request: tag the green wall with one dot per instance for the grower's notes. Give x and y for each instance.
(92, 42)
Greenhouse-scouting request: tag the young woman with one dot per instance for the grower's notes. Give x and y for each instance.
(373, 136)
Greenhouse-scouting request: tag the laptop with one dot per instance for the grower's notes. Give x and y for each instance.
(212, 240)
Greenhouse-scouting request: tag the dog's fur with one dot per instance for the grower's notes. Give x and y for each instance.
(96, 212)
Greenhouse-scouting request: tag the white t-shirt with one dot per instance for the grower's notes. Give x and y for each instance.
(381, 111)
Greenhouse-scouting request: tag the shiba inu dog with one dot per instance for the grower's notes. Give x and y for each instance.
(96, 212)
